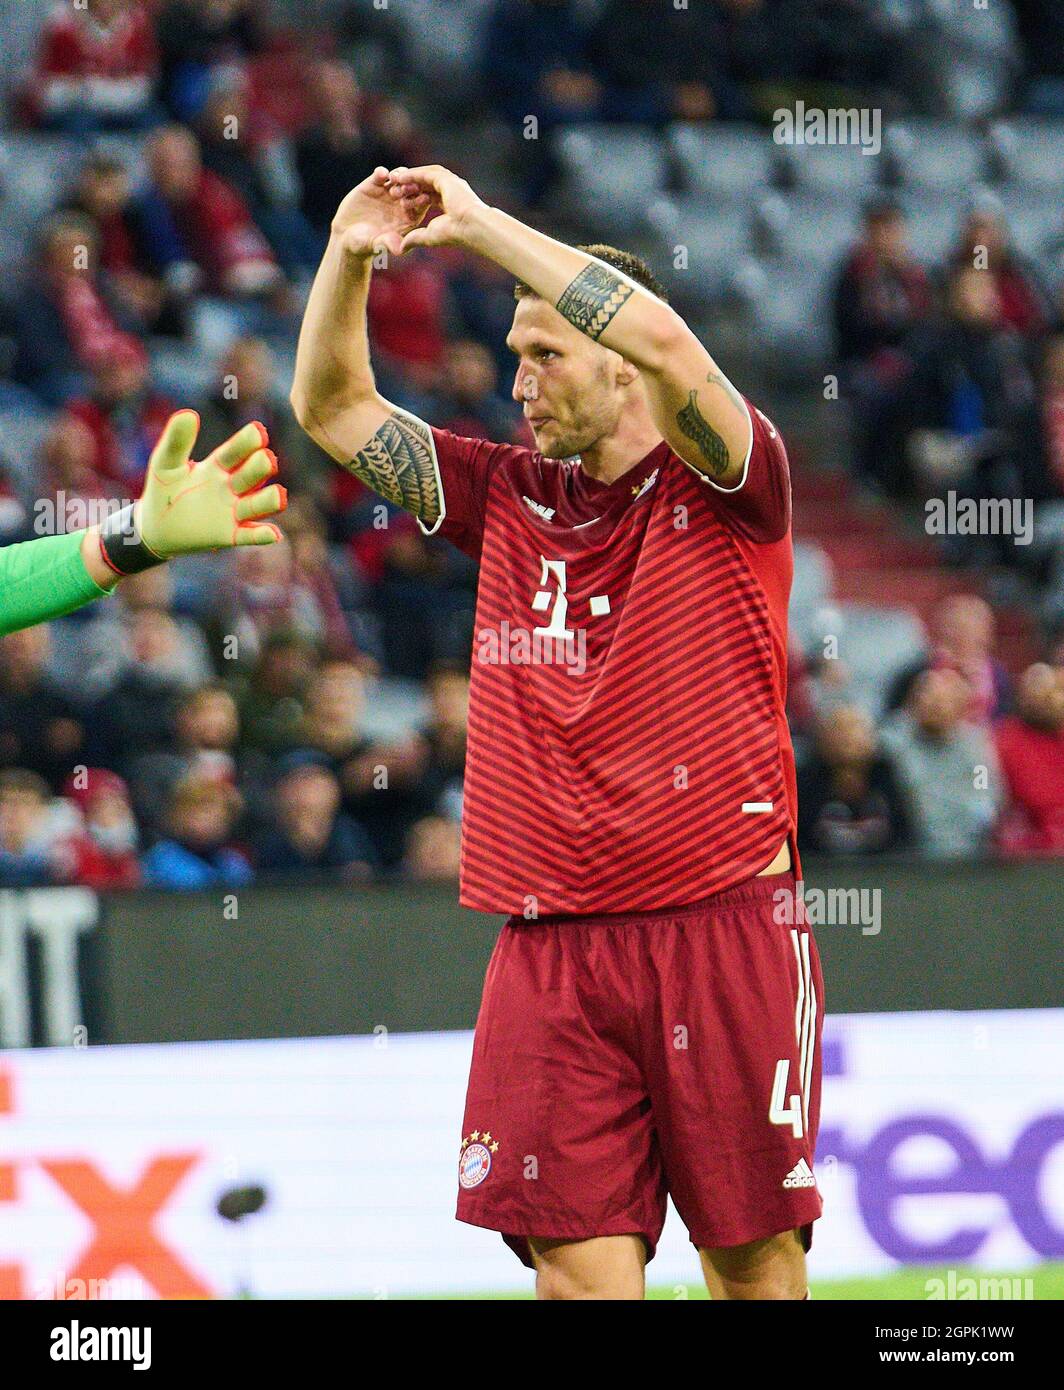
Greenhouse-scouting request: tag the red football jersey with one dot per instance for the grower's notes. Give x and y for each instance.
(628, 748)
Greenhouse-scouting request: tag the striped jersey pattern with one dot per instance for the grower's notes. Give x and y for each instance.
(627, 744)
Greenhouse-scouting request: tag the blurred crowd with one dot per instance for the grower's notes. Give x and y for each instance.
(955, 374)
(964, 762)
(301, 709)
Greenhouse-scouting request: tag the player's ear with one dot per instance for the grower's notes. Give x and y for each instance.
(627, 372)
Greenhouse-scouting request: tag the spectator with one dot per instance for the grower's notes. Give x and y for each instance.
(312, 835)
(408, 311)
(271, 698)
(198, 851)
(964, 638)
(196, 38)
(249, 152)
(1022, 303)
(350, 135)
(104, 196)
(882, 293)
(379, 780)
(442, 770)
(197, 230)
(124, 416)
(126, 723)
(103, 854)
(848, 799)
(30, 837)
(96, 68)
(433, 850)
(262, 594)
(469, 403)
(946, 768)
(115, 642)
(971, 393)
(61, 318)
(246, 389)
(1030, 748)
(880, 296)
(313, 570)
(41, 731)
(67, 474)
(535, 65)
(657, 62)
(204, 747)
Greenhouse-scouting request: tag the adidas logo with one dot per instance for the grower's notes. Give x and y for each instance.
(801, 1175)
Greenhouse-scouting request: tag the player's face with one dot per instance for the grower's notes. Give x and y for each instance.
(565, 383)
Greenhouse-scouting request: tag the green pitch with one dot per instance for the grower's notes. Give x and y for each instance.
(909, 1284)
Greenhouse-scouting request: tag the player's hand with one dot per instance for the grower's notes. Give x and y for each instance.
(456, 205)
(374, 215)
(210, 505)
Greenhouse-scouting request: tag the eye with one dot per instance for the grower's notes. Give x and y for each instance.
(545, 354)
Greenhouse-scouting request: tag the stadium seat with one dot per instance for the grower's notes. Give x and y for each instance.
(934, 154)
(788, 301)
(612, 173)
(712, 236)
(723, 158)
(1030, 151)
(395, 708)
(810, 591)
(37, 170)
(830, 168)
(1036, 221)
(934, 222)
(807, 227)
(23, 429)
(875, 644)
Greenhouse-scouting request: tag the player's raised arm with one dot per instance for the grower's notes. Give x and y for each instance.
(694, 405)
(334, 396)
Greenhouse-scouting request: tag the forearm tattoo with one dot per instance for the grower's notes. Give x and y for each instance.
(698, 429)
(592, 299)
(400, 464)
(706, 439)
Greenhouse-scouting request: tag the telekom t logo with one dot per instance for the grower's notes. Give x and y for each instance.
(598, 604)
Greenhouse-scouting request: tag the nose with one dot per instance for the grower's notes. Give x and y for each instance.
(525, 384)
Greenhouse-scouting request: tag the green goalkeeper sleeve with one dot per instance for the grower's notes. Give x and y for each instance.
(43, 579)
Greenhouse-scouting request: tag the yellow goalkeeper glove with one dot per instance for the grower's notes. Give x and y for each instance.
(187, 507)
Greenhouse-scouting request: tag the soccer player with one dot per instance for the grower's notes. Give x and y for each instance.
(651, 1017)
(185, 507)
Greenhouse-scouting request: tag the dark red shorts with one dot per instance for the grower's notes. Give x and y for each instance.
(623, 1058)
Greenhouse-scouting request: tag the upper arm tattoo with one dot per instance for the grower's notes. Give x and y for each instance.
(399, 462)
(698, 429)
(592, 299)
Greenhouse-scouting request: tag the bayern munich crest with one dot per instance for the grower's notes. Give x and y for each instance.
(474, 1158)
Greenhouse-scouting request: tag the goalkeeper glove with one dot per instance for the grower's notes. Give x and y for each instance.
(187, 507)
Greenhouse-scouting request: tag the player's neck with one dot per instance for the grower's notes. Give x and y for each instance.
(610, 457)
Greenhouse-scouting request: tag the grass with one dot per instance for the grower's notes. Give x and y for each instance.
(907, 1284)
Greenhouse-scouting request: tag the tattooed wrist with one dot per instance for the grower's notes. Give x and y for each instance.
(591, 300)
(399, 463)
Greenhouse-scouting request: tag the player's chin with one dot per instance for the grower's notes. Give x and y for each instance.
(549, 439)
